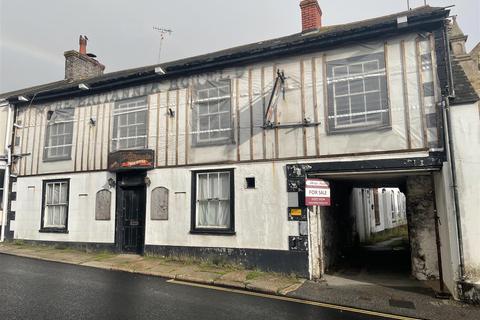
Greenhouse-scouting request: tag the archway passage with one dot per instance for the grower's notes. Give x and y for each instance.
(380, 229)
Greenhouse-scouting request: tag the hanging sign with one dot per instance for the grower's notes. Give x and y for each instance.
(317, 193)
(126, 160)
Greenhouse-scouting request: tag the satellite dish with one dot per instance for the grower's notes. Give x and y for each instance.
(91, 55)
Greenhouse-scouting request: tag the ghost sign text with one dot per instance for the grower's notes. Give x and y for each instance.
(317, 193)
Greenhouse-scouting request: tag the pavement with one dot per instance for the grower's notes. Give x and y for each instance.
(35, 289)
(387, 294)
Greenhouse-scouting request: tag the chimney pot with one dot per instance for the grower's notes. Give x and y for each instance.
(311, 15)
(83, 45)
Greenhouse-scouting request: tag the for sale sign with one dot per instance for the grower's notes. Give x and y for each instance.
(317, 193)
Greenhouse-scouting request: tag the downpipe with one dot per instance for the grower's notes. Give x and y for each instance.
(6, 178)
(453, 169)
(450, 153)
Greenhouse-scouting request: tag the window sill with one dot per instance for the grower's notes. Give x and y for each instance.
(52, 230)
(332, 132)
(58, 159)
(225, 142)
(214, 232)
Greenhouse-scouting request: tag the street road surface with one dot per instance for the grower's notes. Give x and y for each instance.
(34, 289)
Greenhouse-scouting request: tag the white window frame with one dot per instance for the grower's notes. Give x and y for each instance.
(124, 109)
(213, 198)
(204, 103)
(334, 79)
(65, 147)
(51, 204)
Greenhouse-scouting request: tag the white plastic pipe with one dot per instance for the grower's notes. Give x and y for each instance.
(6, 178)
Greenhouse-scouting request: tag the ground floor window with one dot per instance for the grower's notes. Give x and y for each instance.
(213, 201)
(55, 206)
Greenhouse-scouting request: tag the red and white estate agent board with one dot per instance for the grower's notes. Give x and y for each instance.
(317, 193)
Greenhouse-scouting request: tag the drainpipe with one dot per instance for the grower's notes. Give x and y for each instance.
(449, 147)
(6, 178)
(453, 169)
(442, 294)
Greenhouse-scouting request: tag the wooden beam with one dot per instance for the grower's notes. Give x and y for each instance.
(405, 95)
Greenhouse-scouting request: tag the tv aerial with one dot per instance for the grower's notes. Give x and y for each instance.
(410, 8)
(163, 33)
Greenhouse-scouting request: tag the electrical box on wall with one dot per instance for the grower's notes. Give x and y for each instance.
(297, 214)
(298, 243)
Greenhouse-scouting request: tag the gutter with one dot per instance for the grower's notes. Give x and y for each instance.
(302, 46)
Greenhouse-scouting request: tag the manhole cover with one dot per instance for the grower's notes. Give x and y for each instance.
(402, 304)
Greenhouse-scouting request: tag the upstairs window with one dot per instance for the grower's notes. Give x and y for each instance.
(55, 206)
(130, 125)
(212, 117)
(59, 136)
(357, 94)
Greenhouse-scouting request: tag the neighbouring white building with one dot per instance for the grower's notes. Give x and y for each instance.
(374, 210)
(207, 156)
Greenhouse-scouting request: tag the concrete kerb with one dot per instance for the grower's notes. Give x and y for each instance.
(266, 283)
(253, 286)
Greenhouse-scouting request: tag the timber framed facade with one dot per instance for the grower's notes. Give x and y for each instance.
(162, 159)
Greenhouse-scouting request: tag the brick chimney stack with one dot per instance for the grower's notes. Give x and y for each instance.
(79, 65)
(311, 15)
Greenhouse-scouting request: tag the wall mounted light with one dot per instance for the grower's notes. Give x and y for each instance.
(171, 112)
(148, 182)
(50, 115)
(22, 98)
(112, 183)
(93, 121)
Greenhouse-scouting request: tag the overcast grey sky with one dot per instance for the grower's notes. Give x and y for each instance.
(35, 33)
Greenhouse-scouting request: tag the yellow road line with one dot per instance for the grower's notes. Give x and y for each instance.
(296, 300)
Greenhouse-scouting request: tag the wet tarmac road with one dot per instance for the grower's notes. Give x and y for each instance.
(33, 289)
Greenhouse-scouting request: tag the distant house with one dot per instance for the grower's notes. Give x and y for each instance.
(376, 210)
(207, 156)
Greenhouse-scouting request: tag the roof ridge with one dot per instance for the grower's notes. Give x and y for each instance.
(267, 44)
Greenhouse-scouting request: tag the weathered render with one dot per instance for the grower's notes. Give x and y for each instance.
(222, 143)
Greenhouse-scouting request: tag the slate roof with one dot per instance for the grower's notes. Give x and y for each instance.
(464, 91)
(326, 37)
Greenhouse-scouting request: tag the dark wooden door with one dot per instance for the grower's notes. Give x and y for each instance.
(132, 218)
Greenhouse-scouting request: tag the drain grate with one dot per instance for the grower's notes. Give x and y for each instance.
(402, 304)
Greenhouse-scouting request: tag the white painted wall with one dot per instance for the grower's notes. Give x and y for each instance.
(82, 226)
(447, 229)
(260, 213)
(466, 137)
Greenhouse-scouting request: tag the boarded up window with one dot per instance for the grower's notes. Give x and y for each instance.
(159, 209)
(102, 205)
